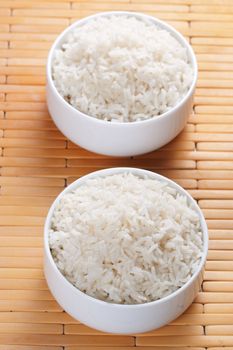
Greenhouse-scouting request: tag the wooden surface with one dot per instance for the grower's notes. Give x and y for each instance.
(37, 162)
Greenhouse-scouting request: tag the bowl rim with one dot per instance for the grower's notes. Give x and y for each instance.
(138, 172)
(163, 25)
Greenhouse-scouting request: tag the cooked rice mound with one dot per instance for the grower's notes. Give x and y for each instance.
(121, 69)
(125, 239)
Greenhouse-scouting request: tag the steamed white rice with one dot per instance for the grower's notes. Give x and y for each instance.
(125, 239)
(121, 69)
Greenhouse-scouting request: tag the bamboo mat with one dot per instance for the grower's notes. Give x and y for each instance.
(37, 162)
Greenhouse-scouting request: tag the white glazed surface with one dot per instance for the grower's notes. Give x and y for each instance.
(116, 318)
(118, 139)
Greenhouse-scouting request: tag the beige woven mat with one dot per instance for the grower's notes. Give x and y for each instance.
(37, 161)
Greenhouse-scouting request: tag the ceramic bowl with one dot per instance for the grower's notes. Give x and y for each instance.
(118, 139)
(121, 318)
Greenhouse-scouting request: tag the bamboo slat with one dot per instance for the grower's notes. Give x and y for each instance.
(20, 231)
(220, 234)
(218, 276)
(37, 182)
(30, 142)
(37, 162)
(19, 262)
(57, 340)
(9, 241)
(213, 9)
(195, 308)
(38, 134)
(30, 191)
(23, 115)
(212, 194)
(219, 330)
(130, 348)
(214, 110)
(218, 286)
(212, 297)
(218, 308)
(26, 80)
(206, 341)
(25, 283)
(42, 4)
(219, 266)
(218, 214)
(214, 203)
(26, 328)
(13, 273)
(221, 146)
(36, 317)
(23, 162)
(80, 329)
(20, 211)
(223, 244)
(215, 184)
(101, 6)
(29, 20)
(210, 118)
(26, 200)
(220, 255)
(31, 347)
(204, 319)
(25, 295)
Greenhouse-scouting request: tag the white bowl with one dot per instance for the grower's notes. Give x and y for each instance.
(118, 139)
(118, 318)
